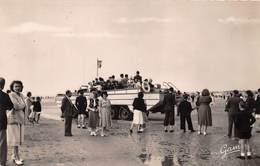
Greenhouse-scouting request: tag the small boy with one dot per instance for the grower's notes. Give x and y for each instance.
(185, 109)
(243, 123)
(37, 108)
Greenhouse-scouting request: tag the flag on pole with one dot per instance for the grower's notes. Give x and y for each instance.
(99, 63)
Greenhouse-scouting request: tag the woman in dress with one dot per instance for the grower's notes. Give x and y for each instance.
(139, 107)
(93, 114)
(15, 131)
(104, 113)
(204, 111)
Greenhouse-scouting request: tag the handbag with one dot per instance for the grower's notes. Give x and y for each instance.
(145, 117)
(11, 117)
(74, 108)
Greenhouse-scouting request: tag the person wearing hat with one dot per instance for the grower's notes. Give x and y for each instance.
(168, 105)
(185, 109)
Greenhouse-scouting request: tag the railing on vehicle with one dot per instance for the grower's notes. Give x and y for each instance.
(169, 85)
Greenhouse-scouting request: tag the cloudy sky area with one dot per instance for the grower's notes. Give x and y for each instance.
(53, 45)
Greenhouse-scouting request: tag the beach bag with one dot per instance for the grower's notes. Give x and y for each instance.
(15, 117)
(11, 117)
(74, 108)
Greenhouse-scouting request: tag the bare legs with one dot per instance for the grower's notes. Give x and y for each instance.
(204, 127)
(245, 148)
(15, 156)
(138, 127)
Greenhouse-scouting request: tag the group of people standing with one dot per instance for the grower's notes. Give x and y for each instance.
(12, 120)
(33, 108)
(184, 109)
(98, 110)
(15, 110)
(241, 111)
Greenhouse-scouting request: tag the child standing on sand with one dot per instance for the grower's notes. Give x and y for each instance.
(93, 115)
(37, 108)
(243, 123)
(185, 109)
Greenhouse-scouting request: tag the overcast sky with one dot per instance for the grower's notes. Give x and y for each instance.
(53, 45)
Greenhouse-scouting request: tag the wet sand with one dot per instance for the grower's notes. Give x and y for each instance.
(45, 144)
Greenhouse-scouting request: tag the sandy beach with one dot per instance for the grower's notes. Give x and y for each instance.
(45, 144)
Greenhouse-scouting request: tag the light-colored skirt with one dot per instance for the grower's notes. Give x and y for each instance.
(105, 118)
(138, 117)
(15, 134)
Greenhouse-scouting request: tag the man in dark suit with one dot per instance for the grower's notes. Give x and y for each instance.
(232, 107)
(68, 108)
(168, 103)
(5, 104)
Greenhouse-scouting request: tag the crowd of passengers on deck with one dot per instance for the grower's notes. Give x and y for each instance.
(124, 82)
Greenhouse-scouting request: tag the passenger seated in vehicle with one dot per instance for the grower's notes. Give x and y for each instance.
(131, 83)
(137, 77)
(114, 82)
(101, 82)
(146, 86)
(151, 85)
(121, 81)
(108, 85)
(126, 81)
(138, 85)
(97, 81)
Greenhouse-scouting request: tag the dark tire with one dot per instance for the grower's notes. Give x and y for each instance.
(113, 113)
(124, 113)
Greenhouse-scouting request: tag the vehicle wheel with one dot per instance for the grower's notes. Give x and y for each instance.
(124, 113)
(113, 113)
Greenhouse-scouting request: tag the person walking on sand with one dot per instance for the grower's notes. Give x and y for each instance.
(139, 107)
(15, 128)
(185, 109)
(68, 108)
(232, 106)
(104, 113)
(243, 123)
(37, 109)
(28, 102)
(5, 104)
(204, 111)
(169, 102)
(93, 114)
(81, 104)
